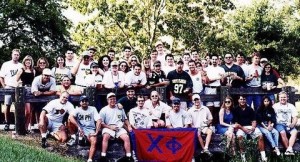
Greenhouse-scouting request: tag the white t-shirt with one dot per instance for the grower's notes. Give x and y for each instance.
(86, 118)
(197, 83)
(179, 119)
(199, 117)
(56, 110)
(252, 70)
(214, 73)
(113, 116)
(109, 79)
(82, 72)
(140, 118)
(131, 78)
(167, 69)
(58, 73)
(158, 109)
(93, 80)
(8, 71)
(285, 113)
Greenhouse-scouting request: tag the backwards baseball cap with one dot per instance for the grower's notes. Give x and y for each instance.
(264, 60)
(47, 71)
(110, 95)
(94, 64)
(157, 62)
(195, 96)
(176, 101)
(83, 97)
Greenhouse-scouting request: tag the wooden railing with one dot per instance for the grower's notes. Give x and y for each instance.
(21, 95)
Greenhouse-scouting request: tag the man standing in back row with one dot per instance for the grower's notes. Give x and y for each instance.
(8, 73)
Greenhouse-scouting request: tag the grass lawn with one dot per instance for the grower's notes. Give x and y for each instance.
(12, 150)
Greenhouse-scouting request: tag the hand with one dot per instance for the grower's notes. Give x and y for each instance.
(114, 127)
(291, 125)
(37, 93)
(80, 131)
(129, 128)
(94, 134)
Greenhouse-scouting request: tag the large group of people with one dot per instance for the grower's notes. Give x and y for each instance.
(185, 77)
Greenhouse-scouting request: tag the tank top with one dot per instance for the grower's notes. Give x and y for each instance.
(27, 78)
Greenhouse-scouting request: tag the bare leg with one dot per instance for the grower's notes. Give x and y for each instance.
(126, 140)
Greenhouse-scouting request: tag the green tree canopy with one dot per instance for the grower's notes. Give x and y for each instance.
(37, 27)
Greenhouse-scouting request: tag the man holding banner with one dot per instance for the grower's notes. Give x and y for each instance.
(201, 118)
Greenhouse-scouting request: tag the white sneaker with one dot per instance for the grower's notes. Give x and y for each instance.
(264, 159)
(289, 152)
(89, 160)
(243, 157)
(277, 151)
(71, 142)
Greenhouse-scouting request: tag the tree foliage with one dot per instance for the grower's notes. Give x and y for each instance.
(213, 26)
(37, 27)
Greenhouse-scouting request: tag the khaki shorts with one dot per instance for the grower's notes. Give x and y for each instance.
(114, 134)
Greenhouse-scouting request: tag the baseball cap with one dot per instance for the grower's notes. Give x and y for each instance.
(83, 97)
(47, 72)
(94, 64)
(92, 48)
(195, 96)
(158, 43)
(114, 63)
(157, 63)
(110, 95)
(85, 53)
(176, 101)
(264, 60)
(179, 61)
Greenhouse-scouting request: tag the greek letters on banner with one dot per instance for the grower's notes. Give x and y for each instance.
(164, 145)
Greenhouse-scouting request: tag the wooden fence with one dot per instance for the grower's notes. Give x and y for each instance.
(21, 95)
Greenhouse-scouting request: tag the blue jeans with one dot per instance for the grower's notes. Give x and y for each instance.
(272, 136)
(256, 99)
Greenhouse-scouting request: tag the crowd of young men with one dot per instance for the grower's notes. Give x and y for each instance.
(186, 79)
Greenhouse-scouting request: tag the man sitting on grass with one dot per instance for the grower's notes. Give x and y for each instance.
(51, 118)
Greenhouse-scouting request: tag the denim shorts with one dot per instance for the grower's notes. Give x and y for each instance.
(283, 127)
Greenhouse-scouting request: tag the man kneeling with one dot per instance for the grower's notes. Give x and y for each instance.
(51, 118)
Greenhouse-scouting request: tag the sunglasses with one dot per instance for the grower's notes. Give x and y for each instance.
(157, 65)
(227, 101)
(134, 60)
(154, 96)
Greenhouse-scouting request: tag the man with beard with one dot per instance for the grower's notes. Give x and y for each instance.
(83, 120)
(180, 85)
(51, 118)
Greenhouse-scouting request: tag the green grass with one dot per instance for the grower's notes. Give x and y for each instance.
(11, 150)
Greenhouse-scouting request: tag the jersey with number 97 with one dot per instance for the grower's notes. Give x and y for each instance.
(179, 82)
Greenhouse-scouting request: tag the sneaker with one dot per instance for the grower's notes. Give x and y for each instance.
(264, 159)
(89, 160)
(243, 157)
(44, 143)
(6, 127)
(206, 151)
(71, 142)
(289, 152)
(277, 151)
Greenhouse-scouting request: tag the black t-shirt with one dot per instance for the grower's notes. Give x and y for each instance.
(127, 103)
(243, 117)
(178, 83)
(239, 71)
(156, 78)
